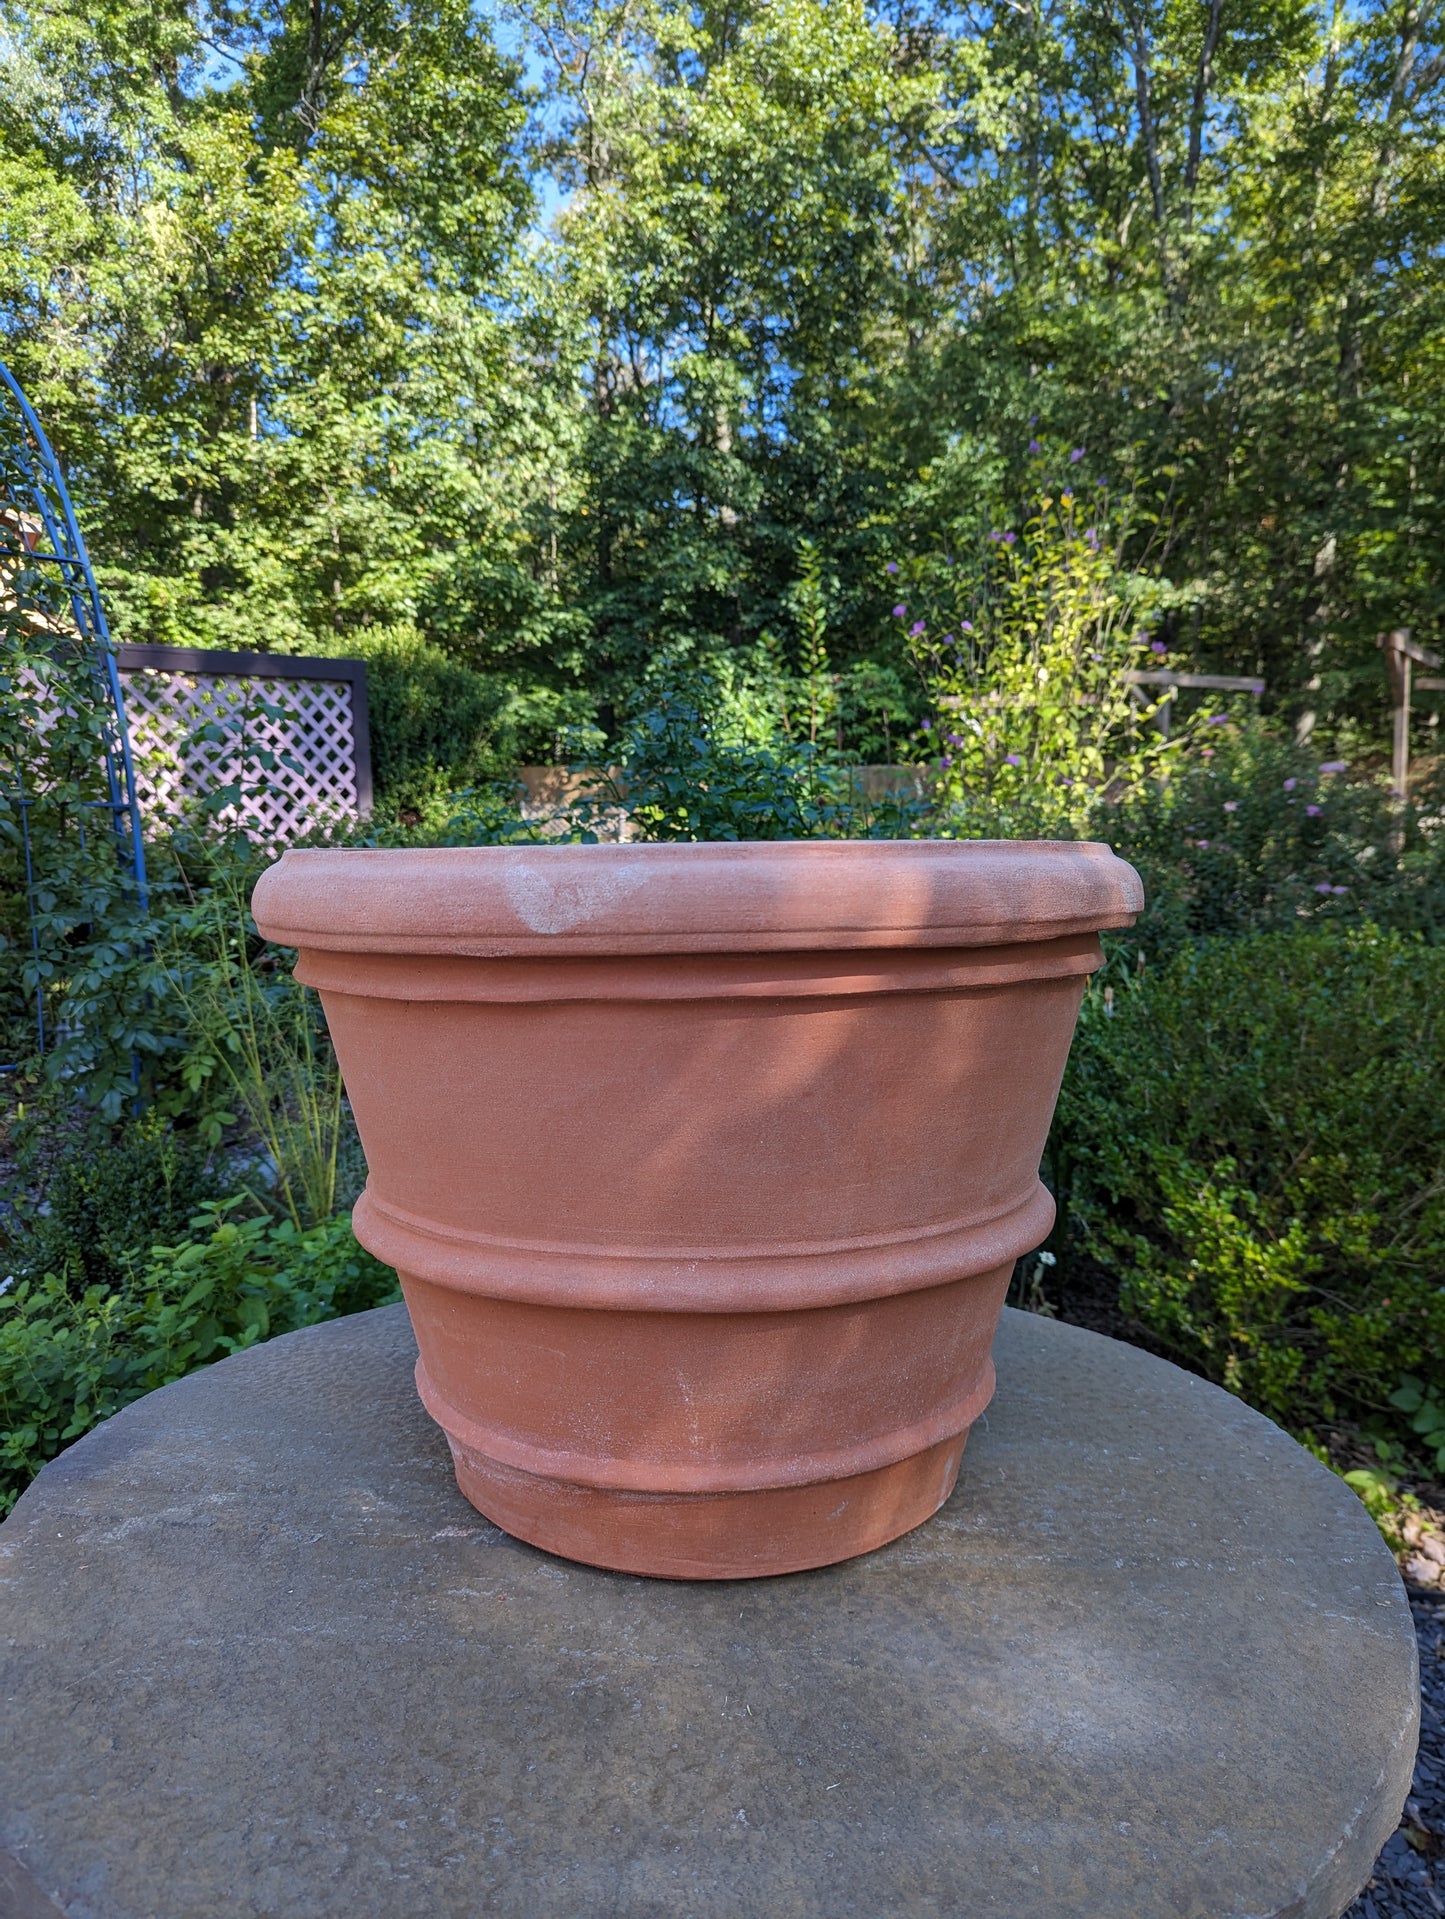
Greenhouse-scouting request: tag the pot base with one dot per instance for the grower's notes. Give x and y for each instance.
(753, 1534)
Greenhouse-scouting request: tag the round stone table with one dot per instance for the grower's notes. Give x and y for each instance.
(262, 1659)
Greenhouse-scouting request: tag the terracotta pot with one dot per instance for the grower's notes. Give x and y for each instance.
(704, 1167)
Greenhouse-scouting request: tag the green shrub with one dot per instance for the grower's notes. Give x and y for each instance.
(1256, 834)
(691, 771)
(68, 1361)
(684, 778)
(434, 720)
(108, 1195)
(1255, 1141)
(439, 725)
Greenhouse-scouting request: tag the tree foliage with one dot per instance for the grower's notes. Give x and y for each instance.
(575, 360)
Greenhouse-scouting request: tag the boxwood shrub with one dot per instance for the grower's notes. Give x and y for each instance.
(1253, 1138)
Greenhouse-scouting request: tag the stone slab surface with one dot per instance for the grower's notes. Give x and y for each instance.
(262, 1661)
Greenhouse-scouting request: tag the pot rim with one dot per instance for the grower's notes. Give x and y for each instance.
(693, 896)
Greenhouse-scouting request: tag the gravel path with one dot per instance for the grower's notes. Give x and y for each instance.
(1409, 1880)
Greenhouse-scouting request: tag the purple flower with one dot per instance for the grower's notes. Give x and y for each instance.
(1324, 887)
(1034, 447)
(955, 739)
(1066, 782)
(967, 627)
(1158, 646)
(1012, 759)
(1076, 456)
(1313, 812)
(1203, 845)
(1290, 785)
(1218, 719)
(947, 640)
(1092, 537)
(928, 726)
(918, 626)
(1231, 806)
(892, 567)
(1339, 889)
(1009, 538)
(899, 611)
(948, 759)
(995, 536)
(1333, 766)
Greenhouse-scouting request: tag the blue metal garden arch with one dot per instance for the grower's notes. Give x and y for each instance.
(41, 533)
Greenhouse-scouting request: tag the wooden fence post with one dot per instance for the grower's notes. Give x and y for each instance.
(1402, 656)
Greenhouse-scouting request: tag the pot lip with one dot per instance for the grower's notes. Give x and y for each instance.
(692, 896)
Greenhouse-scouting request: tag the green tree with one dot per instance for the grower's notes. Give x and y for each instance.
(252, 277)
(815, 274)
(731, 240)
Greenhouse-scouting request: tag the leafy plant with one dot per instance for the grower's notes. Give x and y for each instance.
(69, 1360)
(1427, 1416)
(690, 771)
(818, 272)
(255, 1040)
(810, 609)
(243, 729)
(1023, 641)
(490, 815)
(1382, 1498)
(65, 889)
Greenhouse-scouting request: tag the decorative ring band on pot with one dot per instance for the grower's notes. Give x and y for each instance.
(704, 1167)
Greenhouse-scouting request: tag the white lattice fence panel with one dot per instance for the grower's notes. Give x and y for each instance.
(193, 734)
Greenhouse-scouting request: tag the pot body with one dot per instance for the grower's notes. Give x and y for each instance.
(704, 1248)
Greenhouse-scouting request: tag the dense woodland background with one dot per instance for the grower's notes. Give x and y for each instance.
(579, 344)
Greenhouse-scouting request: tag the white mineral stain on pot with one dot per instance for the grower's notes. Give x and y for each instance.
(551, 899)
